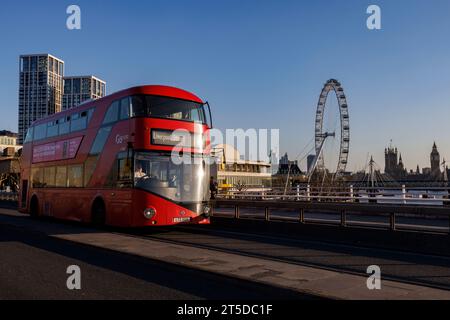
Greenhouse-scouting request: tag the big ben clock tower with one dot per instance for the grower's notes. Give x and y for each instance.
(435, 160)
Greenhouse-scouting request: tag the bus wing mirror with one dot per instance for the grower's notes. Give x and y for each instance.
(209, 114)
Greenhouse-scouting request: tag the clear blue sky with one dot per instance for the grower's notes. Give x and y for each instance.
(261, 64)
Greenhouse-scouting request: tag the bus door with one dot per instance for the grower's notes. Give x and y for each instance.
(24, 194)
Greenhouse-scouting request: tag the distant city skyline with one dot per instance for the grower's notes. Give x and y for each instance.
(260, 64)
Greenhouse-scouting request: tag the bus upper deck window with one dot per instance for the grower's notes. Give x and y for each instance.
(90, 114)
(124, 108)
(52, 129)
(64, 125)
(29, 136)
(112, 114)
(196, 115)
(40, 131)
(79, 122)
(138, 106)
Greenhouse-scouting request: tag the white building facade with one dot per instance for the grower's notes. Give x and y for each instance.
(230, 170)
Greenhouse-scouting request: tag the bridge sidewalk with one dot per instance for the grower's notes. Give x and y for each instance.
(314, 281)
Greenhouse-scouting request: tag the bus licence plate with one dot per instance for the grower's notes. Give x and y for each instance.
(178, 220)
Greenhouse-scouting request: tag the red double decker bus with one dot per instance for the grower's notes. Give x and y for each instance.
(110, 161)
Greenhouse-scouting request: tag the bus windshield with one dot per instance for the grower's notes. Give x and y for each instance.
(186, 182)
(163, 107)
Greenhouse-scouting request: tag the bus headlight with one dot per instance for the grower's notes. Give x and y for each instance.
(206, 210)
(149, 213)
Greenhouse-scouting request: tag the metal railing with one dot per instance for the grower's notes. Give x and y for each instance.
(297, 212)
(435, 196)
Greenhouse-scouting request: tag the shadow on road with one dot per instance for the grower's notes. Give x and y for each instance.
(199, 283)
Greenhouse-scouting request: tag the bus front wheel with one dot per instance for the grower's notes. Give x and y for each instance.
(98, 213)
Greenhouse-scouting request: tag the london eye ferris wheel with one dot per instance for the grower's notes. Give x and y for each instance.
(332, 131)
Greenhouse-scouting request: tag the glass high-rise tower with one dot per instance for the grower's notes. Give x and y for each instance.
(40, 89)
(80, 89)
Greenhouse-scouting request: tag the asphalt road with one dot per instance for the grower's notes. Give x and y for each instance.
(33, 266)
(428, 270)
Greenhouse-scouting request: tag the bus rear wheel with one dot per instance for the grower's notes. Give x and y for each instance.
(98, 217)
(34, 207)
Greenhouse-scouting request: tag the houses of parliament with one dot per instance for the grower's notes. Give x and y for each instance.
(395, 168)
